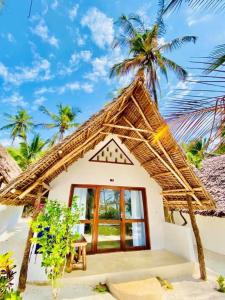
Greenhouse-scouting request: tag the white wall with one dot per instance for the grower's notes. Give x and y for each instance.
(212, 231)
(178, 239)
(85, 172)
(9, 216)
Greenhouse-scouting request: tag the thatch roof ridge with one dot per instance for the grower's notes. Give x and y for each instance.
(8, 167)
(134, 119)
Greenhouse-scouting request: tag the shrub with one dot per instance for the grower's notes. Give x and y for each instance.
(54, 228)
(221, 283)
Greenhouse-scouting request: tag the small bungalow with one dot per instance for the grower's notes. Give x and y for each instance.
(8, 170)
(212, 222)
(123, 171)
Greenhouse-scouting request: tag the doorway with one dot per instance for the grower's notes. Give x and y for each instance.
(112, 218)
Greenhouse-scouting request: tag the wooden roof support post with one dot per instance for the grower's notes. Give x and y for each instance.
(25, 262)
(201, 258)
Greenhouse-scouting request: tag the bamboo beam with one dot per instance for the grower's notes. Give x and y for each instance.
(66, 158)
(198, 189)
(168, 173)
(123, 136)
(176, 171)
(46, 186)
(126, 128)
(201, 258)
(25, 262)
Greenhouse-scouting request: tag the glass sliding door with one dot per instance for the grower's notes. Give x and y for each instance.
(109, 227)
(135, 235)
(112, 218)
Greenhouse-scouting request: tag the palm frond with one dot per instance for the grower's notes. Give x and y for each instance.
(177, 69)
(217, 58)
(177, 43)
(215, 5)
(127, 65)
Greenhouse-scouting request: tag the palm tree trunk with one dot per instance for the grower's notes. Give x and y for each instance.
(25, 262)
(201, 258)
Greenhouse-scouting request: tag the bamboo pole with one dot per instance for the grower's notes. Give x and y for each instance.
(201, 258)
(25, 262)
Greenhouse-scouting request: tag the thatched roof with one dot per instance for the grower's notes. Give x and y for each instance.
(212, 175)
(8, 167)
(134, 118)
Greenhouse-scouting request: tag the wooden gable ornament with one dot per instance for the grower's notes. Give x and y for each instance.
(111, 153)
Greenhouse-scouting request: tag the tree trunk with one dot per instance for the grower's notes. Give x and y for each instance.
(201, 258)
(25, 262)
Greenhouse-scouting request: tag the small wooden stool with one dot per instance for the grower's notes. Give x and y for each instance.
(81, 259)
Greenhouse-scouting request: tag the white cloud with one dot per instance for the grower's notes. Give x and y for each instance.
(73, 12)
(39, 71)
(54, 4)
(41, 30)
(100, 26)
(68, 87)
(194, 19)
(84, 55)
(7, 142)
(9, 36)
(14, 100)
(101, 65)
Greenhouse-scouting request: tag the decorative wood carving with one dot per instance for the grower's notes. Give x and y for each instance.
(111, 153)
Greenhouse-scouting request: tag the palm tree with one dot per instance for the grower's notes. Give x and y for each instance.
(18, 124)
(147, 51)
(28, 153)
(196, 151)
(63, 120)
(208, 4)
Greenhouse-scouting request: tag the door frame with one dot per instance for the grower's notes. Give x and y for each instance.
(122, 221)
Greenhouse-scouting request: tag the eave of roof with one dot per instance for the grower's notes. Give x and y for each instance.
(162, 158)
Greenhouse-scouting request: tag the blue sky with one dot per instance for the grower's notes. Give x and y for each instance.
(62, 53)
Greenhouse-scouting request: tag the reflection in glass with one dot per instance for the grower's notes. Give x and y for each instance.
(133, 204)
(85, 201)
(86, 230)
(109, 204)
(135, 235)
(108, 236)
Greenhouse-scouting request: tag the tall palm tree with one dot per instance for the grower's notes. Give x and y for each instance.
(27, 153)
(18, 124)
(147, 51)
(208, 4)
(63, 120)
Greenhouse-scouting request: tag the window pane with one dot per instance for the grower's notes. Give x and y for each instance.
(109, 204)
(135, 235)
(85, 202)
(133, 205)
(86, 231)
(108, 236)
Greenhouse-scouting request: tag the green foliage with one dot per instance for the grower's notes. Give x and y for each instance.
(28, 153)
(18, 124)
(13, 295)
(6, 277)
(164, 283)
(101, 288)
(63, 120)
(221, 283)
(146, 52)
(195, 151)
(55, 224)
(109, 230)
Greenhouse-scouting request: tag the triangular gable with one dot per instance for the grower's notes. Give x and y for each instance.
(111, 153)
(134, 119)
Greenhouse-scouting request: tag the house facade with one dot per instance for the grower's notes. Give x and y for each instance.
(113, 195)
(122, 165)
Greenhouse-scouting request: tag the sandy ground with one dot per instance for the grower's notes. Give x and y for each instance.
(184, 289)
